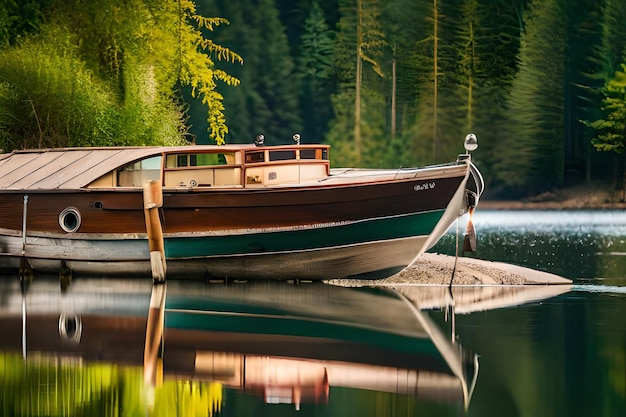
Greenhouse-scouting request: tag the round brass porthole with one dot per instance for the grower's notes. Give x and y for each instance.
(69, 219)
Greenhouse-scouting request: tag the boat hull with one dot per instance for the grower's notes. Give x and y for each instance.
(366, 260)
(347, 229)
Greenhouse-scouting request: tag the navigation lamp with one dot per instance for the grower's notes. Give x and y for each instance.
(471, 143)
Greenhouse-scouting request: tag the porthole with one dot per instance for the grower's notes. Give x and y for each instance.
(70, 328)
(69, 219)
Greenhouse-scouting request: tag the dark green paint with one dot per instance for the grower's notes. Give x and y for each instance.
(367, 231)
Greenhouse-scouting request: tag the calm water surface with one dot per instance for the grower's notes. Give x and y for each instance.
(315, 350)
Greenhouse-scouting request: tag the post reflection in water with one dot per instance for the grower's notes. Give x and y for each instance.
(92, 350)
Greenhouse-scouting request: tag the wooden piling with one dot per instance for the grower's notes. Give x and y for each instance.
(153, 200)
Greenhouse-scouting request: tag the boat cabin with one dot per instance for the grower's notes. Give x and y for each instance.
(227, 166)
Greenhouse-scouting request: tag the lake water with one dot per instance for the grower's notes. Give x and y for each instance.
(563, 356)
(286, 350)
(585, 246)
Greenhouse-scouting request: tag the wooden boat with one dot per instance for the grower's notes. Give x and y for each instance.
(235, 211)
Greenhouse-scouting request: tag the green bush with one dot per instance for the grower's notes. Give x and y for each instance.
(48, 98)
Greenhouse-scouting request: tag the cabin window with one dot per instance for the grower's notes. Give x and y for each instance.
(136, 174)
(307, 154)
(150, 163)
(199, 160)
(183, 160)
(252, 157)
(202, 169)
(282, 155)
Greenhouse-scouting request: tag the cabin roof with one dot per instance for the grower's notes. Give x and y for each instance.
(63, 168)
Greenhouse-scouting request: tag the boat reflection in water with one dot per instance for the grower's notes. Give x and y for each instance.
(293, 343)
(280, 342)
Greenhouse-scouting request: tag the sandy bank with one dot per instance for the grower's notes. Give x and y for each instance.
(436, 269)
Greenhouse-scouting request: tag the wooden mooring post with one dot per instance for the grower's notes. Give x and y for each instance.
(153, 200)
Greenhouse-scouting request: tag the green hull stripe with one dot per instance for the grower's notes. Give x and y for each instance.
(366, 231)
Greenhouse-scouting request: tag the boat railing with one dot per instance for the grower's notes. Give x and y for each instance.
(373, 173)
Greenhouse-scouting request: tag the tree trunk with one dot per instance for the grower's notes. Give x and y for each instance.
(393, 99)
(435, 80)
(357, 88)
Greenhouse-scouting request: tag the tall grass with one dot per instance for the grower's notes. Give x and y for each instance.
(49, 98)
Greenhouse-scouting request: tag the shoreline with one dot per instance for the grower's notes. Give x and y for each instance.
(546, 205)
(591, 196)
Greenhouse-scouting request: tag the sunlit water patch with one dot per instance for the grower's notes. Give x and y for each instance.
(580, 222)
(573, 244)
(603, 289)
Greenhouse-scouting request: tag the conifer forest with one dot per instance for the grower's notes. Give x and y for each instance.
(542, 83)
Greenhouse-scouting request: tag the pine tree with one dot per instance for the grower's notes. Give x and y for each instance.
(293, 15)
(409, 39)
(585, 75)
(532, 153)
(277, 85)
(611, 130)
(360, 40)
(268, 103)
(315, 71)
(428, 63)
(463, 86)
(602, 92)
(499, 46)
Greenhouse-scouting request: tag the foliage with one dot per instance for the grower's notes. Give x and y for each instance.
(493, 79)
(611, 130)
(521, 74)
(49, 98)
(584, 76)
(42, 100)
(532, 152)
(108, 73)
(268, 102)
(197, 69)
(608, 121)
(360, 41)
(315, 71)
(19, 18)
(47, 386)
